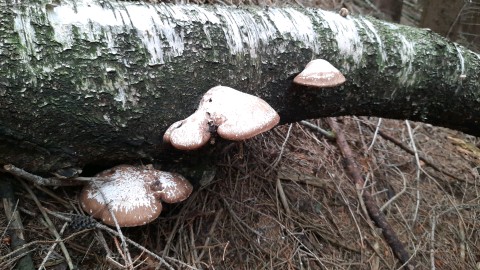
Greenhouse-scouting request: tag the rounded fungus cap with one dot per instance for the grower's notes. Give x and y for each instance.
(168, 132)
(128, 195)
(190, 133)
(320, 73)
(171, 187)
(237, 115)
(234, 115)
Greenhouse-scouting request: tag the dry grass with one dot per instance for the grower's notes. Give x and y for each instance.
(283, 201)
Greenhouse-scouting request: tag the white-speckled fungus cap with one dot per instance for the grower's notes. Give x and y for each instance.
(129, 195)
(171, 187)
(320, 73)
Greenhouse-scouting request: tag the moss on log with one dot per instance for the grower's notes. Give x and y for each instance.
(86, 82)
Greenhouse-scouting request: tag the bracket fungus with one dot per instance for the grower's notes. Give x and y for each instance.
(344, 12)
(320, 73)
(232, 114)
(190, 133)
(133, 194)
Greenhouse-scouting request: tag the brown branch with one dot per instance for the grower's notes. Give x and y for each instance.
(373, 210)
(52, 181)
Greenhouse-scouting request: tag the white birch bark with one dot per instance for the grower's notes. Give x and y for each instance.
(85, 81)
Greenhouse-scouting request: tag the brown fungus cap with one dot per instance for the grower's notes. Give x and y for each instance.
(320, 73)
(128, 194)
(234, 115)
(171, 187)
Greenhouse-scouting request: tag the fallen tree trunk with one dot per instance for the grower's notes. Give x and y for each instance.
(83, 82)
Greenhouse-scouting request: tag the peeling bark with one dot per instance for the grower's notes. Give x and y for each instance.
(86, 82)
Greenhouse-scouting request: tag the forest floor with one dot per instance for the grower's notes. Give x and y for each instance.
(283, 200)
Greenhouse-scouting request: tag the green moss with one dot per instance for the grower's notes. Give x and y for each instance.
(74, 90)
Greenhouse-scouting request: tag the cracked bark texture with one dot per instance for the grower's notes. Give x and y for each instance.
(89, 82)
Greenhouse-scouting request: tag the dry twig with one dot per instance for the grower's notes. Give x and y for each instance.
(52, 247)
(412, 152)
(14, 227)
(130, 241)
(328, 134)
(53, 181)
(49, 224)
(375, 213)
(418, 170)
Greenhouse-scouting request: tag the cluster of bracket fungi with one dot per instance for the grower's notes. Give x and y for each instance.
(237, 116)
(128, 195)
(232, 114)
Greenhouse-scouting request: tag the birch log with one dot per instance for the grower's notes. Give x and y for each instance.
(88, 81)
